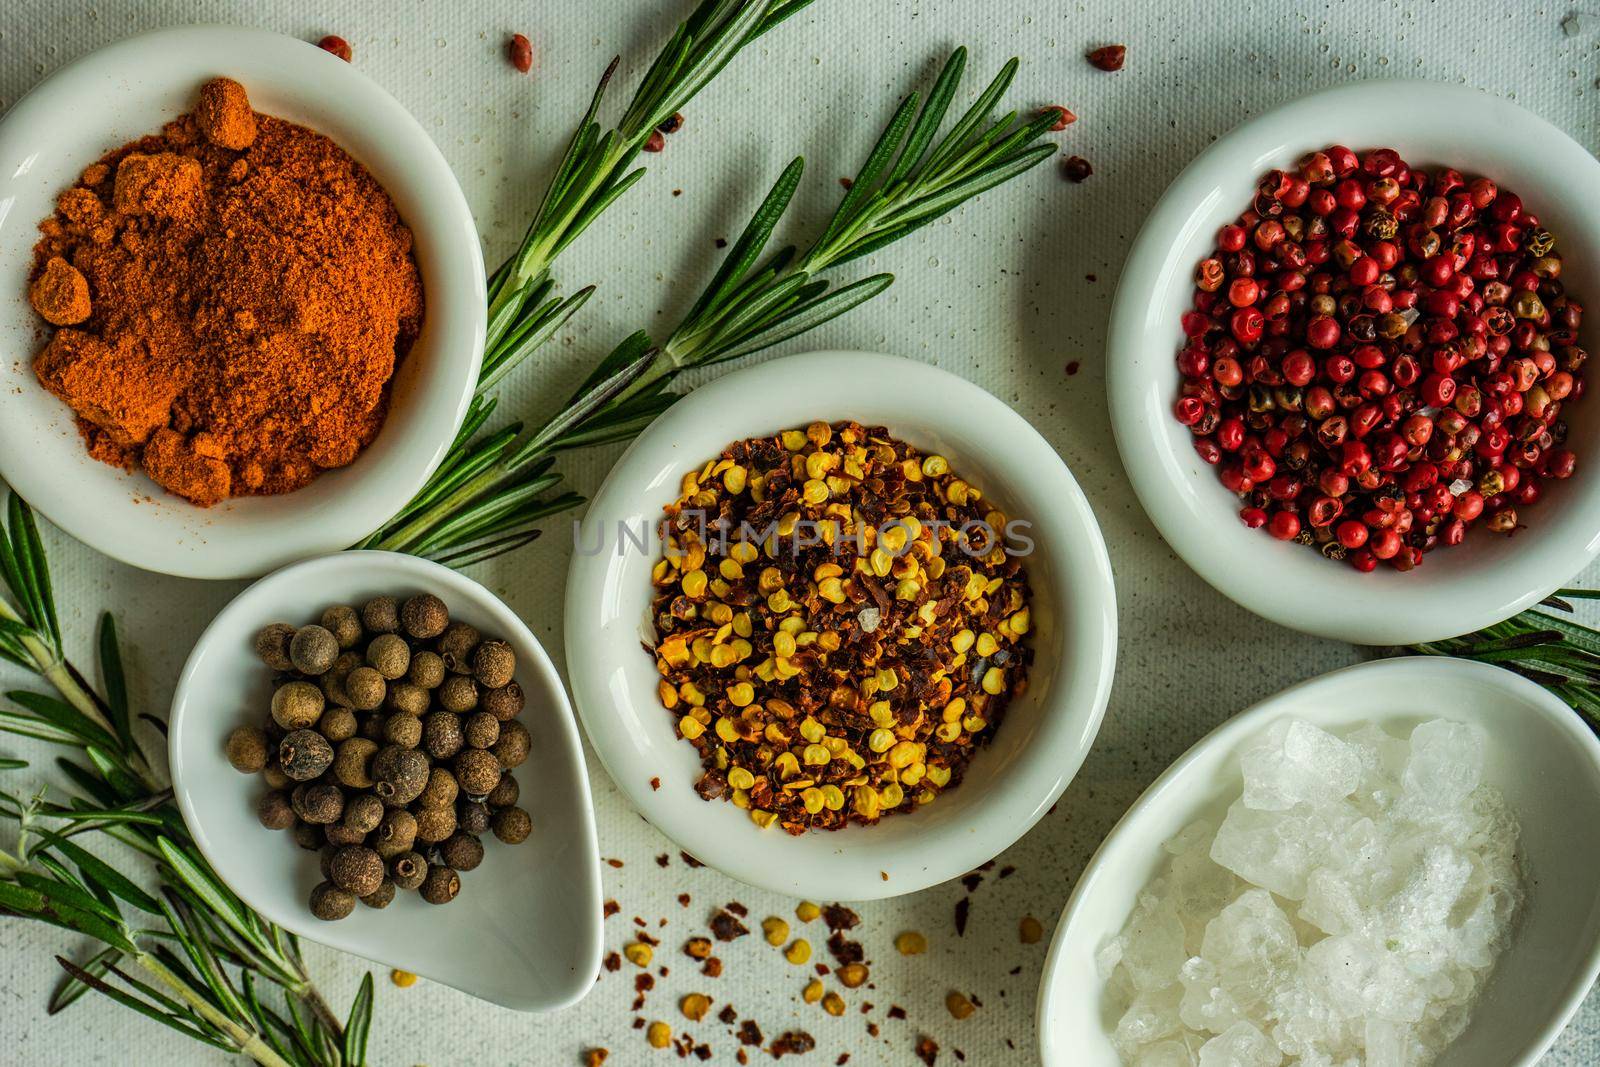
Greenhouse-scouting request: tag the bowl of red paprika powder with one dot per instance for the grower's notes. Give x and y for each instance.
(328, 434)
(1492, 574)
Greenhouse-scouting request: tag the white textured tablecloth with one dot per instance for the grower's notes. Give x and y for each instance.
(1007, 291)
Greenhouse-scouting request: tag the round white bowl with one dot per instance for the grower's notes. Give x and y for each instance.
(1539, 754)
(1046, 733)
(1484, 580)
(130, 89)
(525, 931)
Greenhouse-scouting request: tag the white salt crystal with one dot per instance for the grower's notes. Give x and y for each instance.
(1241, 1045)
(1405, 869)
(1295, 762)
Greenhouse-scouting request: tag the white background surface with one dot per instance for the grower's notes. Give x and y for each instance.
(1000, 292)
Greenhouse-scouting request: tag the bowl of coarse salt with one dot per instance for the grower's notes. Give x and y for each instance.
(1391, 864)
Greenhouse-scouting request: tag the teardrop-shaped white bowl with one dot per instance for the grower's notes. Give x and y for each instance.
(1539, 754)
(525, 931)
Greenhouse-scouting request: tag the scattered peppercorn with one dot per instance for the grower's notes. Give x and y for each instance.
(1108, 57)
(520, 51)
(1064, 118)
(655, 142)
(1076, 169)
(336, 45)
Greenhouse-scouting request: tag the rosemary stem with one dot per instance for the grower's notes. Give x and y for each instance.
(249, 1042)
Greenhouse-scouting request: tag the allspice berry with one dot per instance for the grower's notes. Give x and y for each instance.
(409, 698)
(343, 623)
(441, 790)
(382, 897)
(297, 705)
(427, 669)
(513, 746)
(399, 774)
(472, 816)
(503, 703)
(371, 726)
(456, 645)
(461, 851)
(272, 645)
(304, 754)
(318, 803)
(403, 730)
(408, 870)
(273, 774)
(389, 655)
(331, 903)
(512, 825)
(441, 734)
(274, 810)
(247, 749)
(481, 729)
(358, 869)
(507, 793)
(352, 766)
(339, 834)
(493, 664)
(477, 771)
(332, 680)
(337, 724)
(363, 813)
(312, 650)
(307, 836)
(458, 693)
(441, 885)
(396, 833)
(366, 689)
(424, 616)
(380, 615)
(435, 824)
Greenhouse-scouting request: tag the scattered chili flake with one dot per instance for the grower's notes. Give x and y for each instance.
(1108, 57)
(741, 1055)
(797, 1042)
(872, 1030)
(655, 142)
(520, 51)
(697, 947)
(721, 242)
(712, 968)
(689, 860)
(655, 784)
(839, 917)
(1030, 930)
(1007, 871)
(896, 1012)
(610, 909)
(613, 962)
(1075, 169)
(672, 124)
(677, 192)
(844, 950)
(958, 1004)
(972, 880)
(663, 859)
(337, 46)
(1072, 367)
(594, 1057)
(403, 979)
(844, 1058)
(727, 1015)
(963, 907)
(927, 1050)
(738, 908)
(614, 863)
(702, 1052)
(724, 927)
(750, 1033)
(1064, 118)
(848, 183)
(852, 671)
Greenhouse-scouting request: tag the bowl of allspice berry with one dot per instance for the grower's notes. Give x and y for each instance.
(375, 752)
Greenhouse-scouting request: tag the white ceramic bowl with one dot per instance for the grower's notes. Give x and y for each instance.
(1046, 733)
(525, 931)
(125, 91)
(1484, 580)
(1539, 754)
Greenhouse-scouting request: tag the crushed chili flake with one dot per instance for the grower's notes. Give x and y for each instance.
(689, 861)
(796, 1042)
(663, 859)
(683, 900)
(750, 1033)
(610, 909)
(896, 1012)
(972, 880)
(724, 927)
(927, 1050)
(728, 1015)
(839, 917)
(840, 625)
(1007, 871)
(844, 950)
(614, 863)
(655, 783)
(963, 908)
(712, 968)
(738, 908)
(613, 962)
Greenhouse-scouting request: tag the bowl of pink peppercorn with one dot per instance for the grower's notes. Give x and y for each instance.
(1347, 362)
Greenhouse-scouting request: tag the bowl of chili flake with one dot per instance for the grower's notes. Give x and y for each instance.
(1373, 429)
(878, 625)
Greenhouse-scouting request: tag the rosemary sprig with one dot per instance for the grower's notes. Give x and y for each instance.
(490, 500)
(204, 957)
(1555, 650)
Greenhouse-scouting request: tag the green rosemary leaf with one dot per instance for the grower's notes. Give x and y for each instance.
(62, 716)
(28, 900)
(17, 564)
(172, 1006)
(619, 424)
(192, 941)
(470, 525)
(359, 1025)
(272, 1027)
(22, 900)
(747, 249)
(1579, 594)
(63, 894)
(487, 550)
(778, 14)
(9, 764)
(954, 142)
(640, 354)
(175, 1022)
(528, 337)
(20, 724)
(592, 209)
(211, 892)
(98, 872)
(126, 785)
(86, 781)
(308, 1041)
(116, 684)
(72, 988)
(877, 163)
(1578, 634)
(63, 875)
(40, 566)
(931, 117)
(807, 317)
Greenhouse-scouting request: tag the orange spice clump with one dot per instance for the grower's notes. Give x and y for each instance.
(234, 295)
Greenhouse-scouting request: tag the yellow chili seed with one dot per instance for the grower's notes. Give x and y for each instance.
(740, 778)
(833, 1003)
(724, 656)
(726, 730)
(987, 644)
(891, 795)
(881, 713)
(741, 694)
(831, 590)
(812, 799)
(694, 1006)
(1030, 930)
(690, 727)
(806, 911)
(659, 1034)
(786, 764)
(668, 694)
(887, 680)
(638, 953)
(832, 797)
(903, 754)
(813, 991)
(908, 589)
(933, 466)
(958, 1005)
(763, 818)
(694, 584)
(779, 602)
(799, 952)
(816, 756)
(947, 731)
(866, 801)
(893, 539)
(974, 723)
(963, 640)
(775, 930)
(913, 774)
(783, 644)
(812, 730)
(910, 943)
(994, 681)
(880, 740)
(793, 440)
(730, 569)
(815, 491)
(852, 975)
(939, 776)
(1021, 621)
(740, 799)
(734, 479)
(403, 979)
